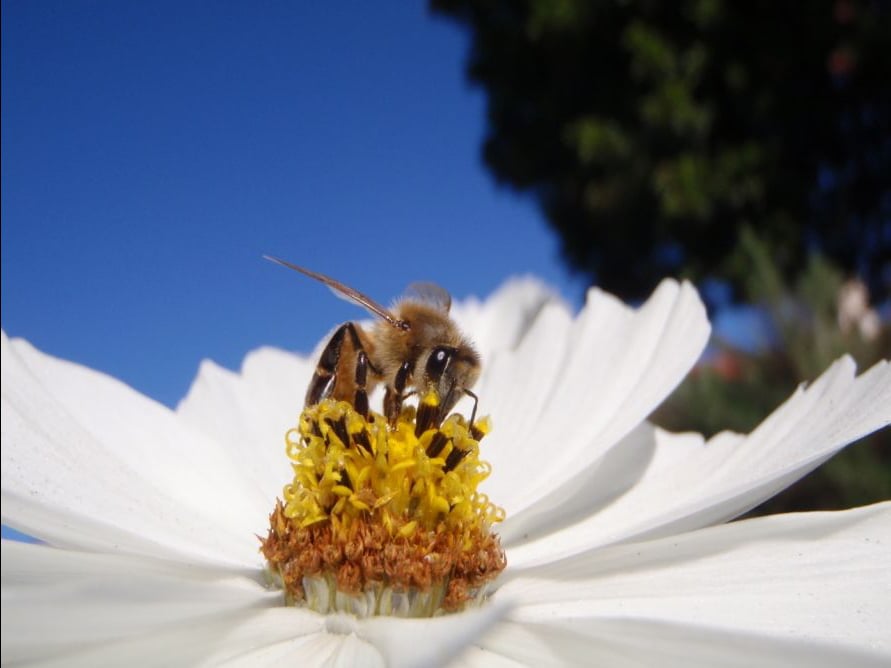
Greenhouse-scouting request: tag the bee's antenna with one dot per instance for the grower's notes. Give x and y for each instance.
(277, 260)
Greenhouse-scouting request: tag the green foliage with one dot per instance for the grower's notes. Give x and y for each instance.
(654, 133)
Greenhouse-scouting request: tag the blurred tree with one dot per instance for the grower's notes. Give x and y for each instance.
(652, 132)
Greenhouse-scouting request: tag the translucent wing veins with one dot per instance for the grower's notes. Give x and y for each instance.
(346, 292)
(430, 293)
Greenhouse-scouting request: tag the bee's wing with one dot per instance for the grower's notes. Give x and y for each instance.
(345, 292)
(430, 293)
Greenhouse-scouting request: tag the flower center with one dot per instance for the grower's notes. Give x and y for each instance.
(381, 521)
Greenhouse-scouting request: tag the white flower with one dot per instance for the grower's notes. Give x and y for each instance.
(854, 311)
(613, 556)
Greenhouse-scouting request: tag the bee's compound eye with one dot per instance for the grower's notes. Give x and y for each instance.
(438, 361)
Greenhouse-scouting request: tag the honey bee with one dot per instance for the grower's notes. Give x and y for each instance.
(414, 348)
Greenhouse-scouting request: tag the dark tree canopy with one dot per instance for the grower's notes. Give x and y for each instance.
(653, 132)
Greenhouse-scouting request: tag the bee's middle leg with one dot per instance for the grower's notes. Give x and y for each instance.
(396, 393)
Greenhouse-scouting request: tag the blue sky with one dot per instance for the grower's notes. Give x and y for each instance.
(153, 151)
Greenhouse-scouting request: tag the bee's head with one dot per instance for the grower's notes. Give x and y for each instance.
(450, 371)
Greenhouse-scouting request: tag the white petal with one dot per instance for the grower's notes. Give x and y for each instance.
(794, 580)
(78, 607)
(410, 643)
(513, 388)
(86, 446)
(323, 649)
(585, 492)
(730, 474)
(502, 320)
(354, 652)
(633, 643)
(618, 364)
(477, 657)
(248, 413)
(377, 641)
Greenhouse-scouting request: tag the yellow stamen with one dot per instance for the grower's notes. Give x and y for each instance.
(376, 509)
